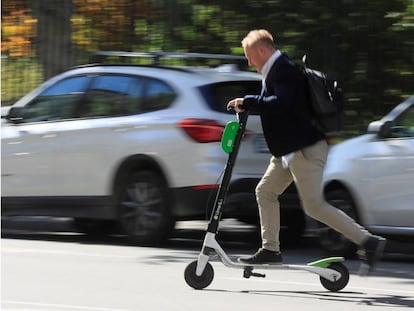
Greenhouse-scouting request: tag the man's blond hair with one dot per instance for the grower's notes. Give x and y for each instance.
(258, 35)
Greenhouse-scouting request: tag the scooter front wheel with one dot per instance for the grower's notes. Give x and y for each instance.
(195, 281)
(341, 282)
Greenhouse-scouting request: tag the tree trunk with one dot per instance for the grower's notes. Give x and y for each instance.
(53, 44)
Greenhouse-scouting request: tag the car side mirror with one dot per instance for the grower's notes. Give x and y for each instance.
(16, 115)
(381, 128)
(385, 130)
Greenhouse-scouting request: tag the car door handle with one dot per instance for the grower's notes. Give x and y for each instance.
(49, 135)
(121, 127)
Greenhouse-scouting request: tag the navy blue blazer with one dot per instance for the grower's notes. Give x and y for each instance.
(284, 109)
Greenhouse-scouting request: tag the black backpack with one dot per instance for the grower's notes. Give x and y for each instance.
(326, 100)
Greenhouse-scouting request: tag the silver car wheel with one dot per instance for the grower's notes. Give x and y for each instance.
(144, 212)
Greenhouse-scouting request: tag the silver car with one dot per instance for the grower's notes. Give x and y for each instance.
(371, 178)
(131, 145)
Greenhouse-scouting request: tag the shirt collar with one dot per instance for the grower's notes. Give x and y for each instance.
(272, 59)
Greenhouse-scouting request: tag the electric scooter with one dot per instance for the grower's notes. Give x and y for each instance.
(199, 274)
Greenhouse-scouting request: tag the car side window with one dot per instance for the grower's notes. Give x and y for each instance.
(112, 95)
(56, 102)
(404, 125)
(158, 95)
(217, 95)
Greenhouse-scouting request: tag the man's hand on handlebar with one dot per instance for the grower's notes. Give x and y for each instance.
(236, 104)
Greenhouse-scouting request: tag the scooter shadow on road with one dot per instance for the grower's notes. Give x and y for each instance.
(356, 298)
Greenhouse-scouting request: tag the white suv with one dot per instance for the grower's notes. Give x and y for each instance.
(138, 145)
(371, 178)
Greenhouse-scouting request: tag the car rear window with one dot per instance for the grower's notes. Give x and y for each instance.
(218, 95)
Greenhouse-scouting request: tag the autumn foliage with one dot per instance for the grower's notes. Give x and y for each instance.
(18, 28)
(93, 22)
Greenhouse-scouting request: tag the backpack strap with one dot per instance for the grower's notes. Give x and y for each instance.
(304, 61)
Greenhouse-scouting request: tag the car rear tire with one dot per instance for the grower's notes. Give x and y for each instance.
(144, 211)
(330, 240)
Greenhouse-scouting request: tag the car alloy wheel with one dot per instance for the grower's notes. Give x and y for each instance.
(143, 208)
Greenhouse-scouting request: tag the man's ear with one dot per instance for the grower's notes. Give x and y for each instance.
(261, 50)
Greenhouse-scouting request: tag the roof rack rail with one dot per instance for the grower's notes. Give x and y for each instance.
(156, 56)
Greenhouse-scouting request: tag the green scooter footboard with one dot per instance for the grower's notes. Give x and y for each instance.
(325, 262)
(229, 136)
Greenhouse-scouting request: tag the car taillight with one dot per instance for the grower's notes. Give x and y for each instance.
(206, 187)
(202, 130)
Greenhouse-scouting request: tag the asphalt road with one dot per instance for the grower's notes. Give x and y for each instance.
(47, 266)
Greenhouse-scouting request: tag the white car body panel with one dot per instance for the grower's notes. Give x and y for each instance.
(379, 174)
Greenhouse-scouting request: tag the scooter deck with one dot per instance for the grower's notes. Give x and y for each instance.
(320, 267)
(314, 266)
(322, 263)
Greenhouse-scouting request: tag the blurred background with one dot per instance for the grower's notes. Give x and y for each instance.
(367, 45)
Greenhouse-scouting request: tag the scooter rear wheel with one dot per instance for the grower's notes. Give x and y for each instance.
(195, 281)
(340, 283)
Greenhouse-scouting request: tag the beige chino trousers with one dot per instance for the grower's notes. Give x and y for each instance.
(305, 169)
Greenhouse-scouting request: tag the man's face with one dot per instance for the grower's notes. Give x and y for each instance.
(254, 56)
